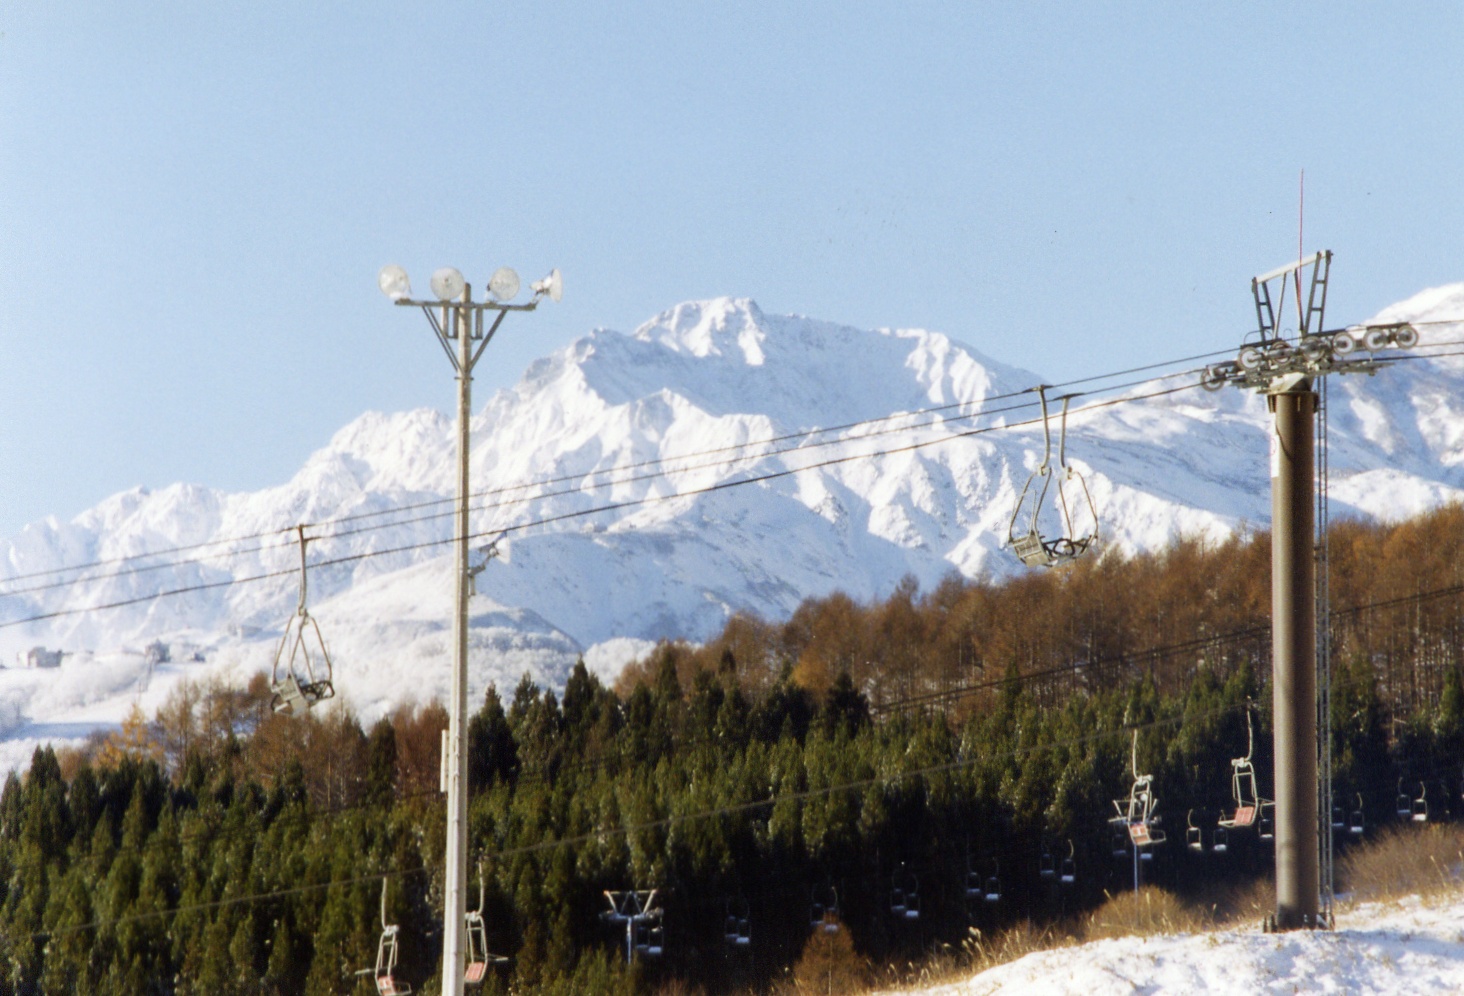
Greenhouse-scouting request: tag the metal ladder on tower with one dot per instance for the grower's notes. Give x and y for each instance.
(1324, 654)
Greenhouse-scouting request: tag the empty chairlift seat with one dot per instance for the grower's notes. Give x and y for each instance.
(387, 984)
(302, 672)
(1060, 490)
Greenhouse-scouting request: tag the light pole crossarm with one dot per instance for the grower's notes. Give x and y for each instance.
(473, 316)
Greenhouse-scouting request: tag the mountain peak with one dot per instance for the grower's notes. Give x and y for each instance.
(611, 461)
(722, 326)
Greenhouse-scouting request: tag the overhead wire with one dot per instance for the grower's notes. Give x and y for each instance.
(580, 477)
(793, 796)
(581, 513)
(436, 502)
(939, 697)
(797, 795)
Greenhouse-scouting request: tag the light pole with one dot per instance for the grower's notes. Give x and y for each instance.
(457, 321)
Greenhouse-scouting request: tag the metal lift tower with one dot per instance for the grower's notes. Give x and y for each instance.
(1286, 368)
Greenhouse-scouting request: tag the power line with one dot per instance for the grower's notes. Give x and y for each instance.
(437, 502)
(581, 477)
(794, 796)
(658, 461)
(799, 795)
(608, 507)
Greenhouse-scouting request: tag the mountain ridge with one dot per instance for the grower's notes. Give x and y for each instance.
(704, 387)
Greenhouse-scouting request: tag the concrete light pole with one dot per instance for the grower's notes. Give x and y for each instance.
(458, 321)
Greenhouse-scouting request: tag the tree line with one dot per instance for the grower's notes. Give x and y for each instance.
(855, 761)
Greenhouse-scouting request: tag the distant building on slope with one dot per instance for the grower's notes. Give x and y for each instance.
(40, 657)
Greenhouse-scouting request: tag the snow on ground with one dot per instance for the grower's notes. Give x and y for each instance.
(1401, 947)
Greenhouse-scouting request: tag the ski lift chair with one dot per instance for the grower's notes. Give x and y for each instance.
(1068, 873)
(1135, 815)
(479, 957)
(905, 895)
(301, 674)
(1145, 836)
(1192, 838)
(992, 893)
(1029, 544)
(1403, 805)
(1356, 822)
(387, 984)
(1119, 843)
(824, 910)
(1220, 841)
(1250, 808)
(1338, 817)
(974, 885)
(1419, 808)
(1046, 866)
(650, 940)
(737, 927)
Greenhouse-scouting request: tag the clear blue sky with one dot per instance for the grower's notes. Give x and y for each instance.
(195, 198)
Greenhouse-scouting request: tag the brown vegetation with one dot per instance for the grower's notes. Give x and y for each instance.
(1413, 859)
(219, 728)
(1397, 592)
(829, 964)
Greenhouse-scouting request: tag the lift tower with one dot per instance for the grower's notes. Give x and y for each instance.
(1287, 368)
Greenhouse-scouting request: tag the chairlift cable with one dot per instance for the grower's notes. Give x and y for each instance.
(799, 795)
(186, 548)
(804, 434)
(582, 513)
(580, 477)
(579, 488)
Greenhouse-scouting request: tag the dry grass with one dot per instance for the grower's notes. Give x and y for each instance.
(1410, 860)
(976, 954)
(1414, 859)
(1247, 904)
(1149, 911)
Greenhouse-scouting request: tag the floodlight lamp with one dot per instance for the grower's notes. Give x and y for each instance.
(552, 285)
(393, 282)
(504, 284)
(448, 284)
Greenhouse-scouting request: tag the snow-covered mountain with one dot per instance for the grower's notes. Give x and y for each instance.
(640, 426)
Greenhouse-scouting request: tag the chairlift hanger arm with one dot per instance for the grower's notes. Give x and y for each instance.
(304, 575)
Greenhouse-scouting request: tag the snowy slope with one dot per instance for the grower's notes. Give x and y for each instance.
(1405, 948)
(707, 387)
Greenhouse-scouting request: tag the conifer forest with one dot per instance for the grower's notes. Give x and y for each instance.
(784, 788)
